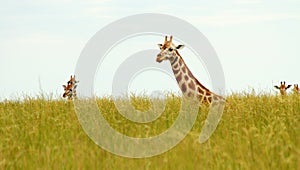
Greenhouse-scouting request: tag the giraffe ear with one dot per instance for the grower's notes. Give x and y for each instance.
(276, 87)
(288, 86)
(64, 86)
(179, 47)
(159, 46)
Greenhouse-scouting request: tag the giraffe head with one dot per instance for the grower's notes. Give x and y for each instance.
(72, 80)
(296, 89)
(283, 88)
(168, 51)
(70, 88)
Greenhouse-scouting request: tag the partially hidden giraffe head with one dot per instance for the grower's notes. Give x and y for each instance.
(72, 80)
(296, 89)
(70, 88)
(283, 88)
(168, 51)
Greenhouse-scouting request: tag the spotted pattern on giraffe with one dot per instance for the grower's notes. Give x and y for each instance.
(184, 69)
(188, 84)
(186, 77)
(192, 85)
(183, 88)
(175, 71)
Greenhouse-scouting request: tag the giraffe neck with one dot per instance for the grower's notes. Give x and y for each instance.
(187, 82)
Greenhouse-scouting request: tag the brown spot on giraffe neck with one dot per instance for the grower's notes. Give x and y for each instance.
(180, 61)
(179, 77)
(176, 71)
(192, 85)
(184, 69)
(186, 77)
(183, 87)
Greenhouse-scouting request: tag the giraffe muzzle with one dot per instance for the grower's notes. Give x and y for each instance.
(159, 58)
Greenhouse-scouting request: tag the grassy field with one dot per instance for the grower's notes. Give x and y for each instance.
(256, 132)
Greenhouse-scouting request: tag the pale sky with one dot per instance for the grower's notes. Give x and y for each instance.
(257, 42)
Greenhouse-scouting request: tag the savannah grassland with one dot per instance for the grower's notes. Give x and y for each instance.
(255, 132)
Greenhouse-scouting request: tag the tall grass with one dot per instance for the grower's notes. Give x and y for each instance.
(256, 132)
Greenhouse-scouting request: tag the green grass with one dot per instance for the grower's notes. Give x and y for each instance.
(256, 132)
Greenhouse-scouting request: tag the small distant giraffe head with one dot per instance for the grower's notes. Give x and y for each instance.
(70, 88)
(168, 51)
(296, 89)
(72, 80)
(283, 88)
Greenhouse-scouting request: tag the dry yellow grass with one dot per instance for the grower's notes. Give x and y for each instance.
(256, 132)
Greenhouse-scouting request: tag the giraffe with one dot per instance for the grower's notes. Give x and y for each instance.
(187, 82)
(70, 89)
(296, 89)
(282, 88)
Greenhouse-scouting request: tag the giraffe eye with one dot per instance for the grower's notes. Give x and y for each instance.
(170, 49)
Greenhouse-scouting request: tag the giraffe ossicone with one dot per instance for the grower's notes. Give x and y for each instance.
(187, 82)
